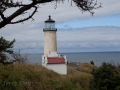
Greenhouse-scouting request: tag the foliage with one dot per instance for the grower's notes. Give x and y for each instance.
(19, 58)
(36, 77)
(106, 77)
(5, 45)
(85, 67)
(91, 62)
(22, 8)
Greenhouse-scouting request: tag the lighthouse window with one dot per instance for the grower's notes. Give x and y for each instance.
(50, 25)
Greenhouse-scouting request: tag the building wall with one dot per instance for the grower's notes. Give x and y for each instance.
(50, 43)
(59, 68)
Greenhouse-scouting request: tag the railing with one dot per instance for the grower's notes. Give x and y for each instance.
(49, 29)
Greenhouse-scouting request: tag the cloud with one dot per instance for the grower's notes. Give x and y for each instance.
(65, 12)
(79, 39)
(95, 38)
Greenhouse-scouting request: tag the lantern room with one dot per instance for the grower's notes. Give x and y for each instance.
(49, 24)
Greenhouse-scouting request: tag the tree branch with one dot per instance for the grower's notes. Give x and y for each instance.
(2, 16)
(86, 5)
(19, 21)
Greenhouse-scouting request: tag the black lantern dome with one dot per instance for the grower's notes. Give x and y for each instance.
(49, 20)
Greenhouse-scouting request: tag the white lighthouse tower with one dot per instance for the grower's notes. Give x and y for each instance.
(51, 59)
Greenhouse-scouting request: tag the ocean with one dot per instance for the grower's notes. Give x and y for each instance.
(83, 57)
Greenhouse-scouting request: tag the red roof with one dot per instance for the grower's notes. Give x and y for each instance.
(56, 60)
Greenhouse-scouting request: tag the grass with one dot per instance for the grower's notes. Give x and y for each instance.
(36, 77)
(85, 67)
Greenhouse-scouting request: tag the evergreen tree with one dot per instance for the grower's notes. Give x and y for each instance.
(5, 45)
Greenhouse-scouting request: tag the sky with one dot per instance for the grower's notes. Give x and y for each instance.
(76, 31)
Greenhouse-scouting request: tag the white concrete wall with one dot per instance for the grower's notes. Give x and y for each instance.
(50, 43)
(44, 60)
(53, 54)
(59, 68)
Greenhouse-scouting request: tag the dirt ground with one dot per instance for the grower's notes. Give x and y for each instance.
(73, 66)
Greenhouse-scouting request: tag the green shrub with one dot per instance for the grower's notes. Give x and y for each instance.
(106, 77)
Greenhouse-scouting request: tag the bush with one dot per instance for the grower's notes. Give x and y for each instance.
(19, 58)
(106, 77)
(91, 62)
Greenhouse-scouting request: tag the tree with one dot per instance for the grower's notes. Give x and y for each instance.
(5, 45)
(106, 77)
(83, 5)
(19, 58)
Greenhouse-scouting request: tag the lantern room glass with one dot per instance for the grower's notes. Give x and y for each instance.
(50, 25)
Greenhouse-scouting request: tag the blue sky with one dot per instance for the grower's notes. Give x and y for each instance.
(77, 31)
(112, 20)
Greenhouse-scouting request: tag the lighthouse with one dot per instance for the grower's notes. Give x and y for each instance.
(51, 59)
(50, 43)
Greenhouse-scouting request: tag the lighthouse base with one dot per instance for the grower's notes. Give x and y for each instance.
(59, 68)
(55, 62)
